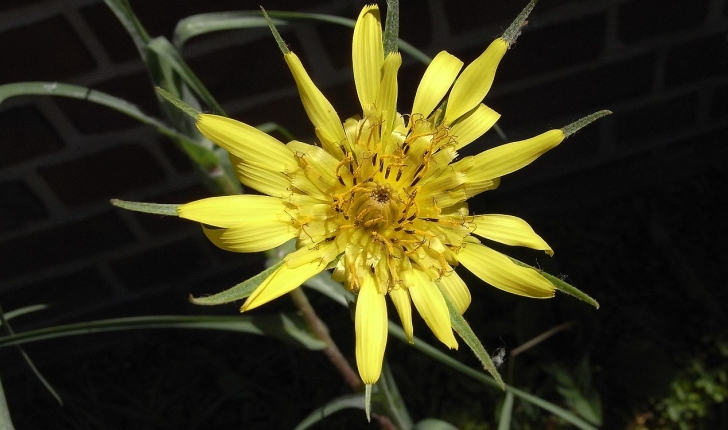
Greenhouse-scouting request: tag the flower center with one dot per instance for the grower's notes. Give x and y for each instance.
(381, 194)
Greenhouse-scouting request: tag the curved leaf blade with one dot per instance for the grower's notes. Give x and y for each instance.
(350, 401)
(288, 328)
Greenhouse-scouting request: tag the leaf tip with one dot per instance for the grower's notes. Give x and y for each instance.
(276, 35)
(179, 104)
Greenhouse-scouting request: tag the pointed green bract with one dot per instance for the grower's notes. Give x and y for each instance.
(466, 333)
(561, 285)
(179, 104)
(391, 27)
(583, 122)
(239, 291)
(150, 208)
(513, 30)
(277, 36)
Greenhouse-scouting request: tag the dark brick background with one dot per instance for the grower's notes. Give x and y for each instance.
(660, 65)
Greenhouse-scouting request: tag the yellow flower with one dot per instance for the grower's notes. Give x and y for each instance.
(382, 198)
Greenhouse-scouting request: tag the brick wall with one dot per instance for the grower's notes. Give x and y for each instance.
(660, 65)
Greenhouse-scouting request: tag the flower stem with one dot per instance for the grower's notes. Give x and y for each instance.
(322, 332)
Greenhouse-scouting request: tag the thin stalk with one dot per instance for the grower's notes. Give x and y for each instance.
(322, 333)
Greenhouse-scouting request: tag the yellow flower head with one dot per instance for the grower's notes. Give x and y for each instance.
(382, 198)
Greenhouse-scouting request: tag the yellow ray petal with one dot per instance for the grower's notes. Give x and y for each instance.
(510, 157)
(475, 81)
(280, 282)
(322, 114)
(370, 323)
(367, 56)
(246, 142)
(275, 183)
(499, 271)
(456, 290)
(438, 78)
(387, 97)
(431, 305)
(473, 125)
(401, 299)
(510, 230)
(227, 211)
(254, 236)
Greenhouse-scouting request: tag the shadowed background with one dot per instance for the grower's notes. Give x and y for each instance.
(633, 206)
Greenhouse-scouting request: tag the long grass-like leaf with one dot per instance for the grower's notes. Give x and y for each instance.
(350, 401)
(197, 25)
(289, 328)
(24, 310)
(125, 15)
(202, 156)
(5, 422)
(504, 420)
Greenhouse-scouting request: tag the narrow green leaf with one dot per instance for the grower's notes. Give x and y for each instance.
(5, 422)
(504, 421)
(350, 401)
(281, 326)
(125, 15)
(561, 285)
(556, 410)
(196, 25)
(200, 155)
(391, 27)
(239, 291)
(150, 208)
(8, 329)
(466, 333)
(389, 395)
(434, 424)
(24, 310)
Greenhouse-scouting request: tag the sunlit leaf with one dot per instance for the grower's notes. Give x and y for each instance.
(239, 291)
